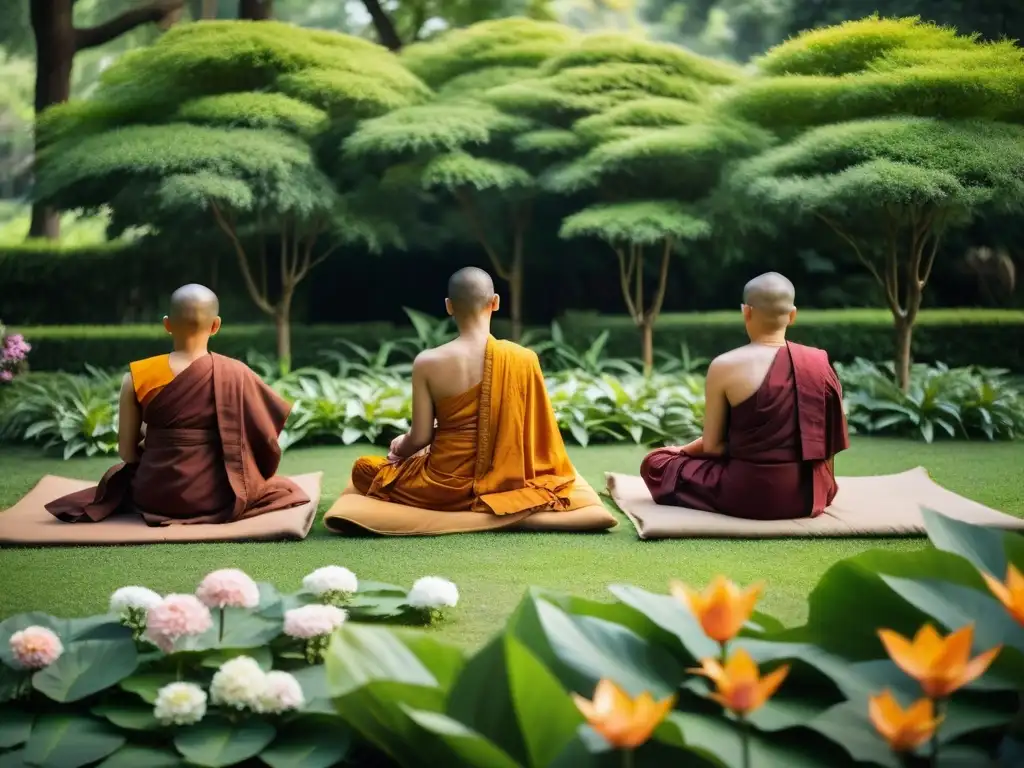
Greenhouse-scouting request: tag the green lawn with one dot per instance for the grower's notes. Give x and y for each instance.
(492, 570)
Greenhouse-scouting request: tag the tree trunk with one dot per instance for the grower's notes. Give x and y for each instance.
(283, 328)
(904, 336)
(386, 32)
(255, 10)
(54, 31)
(647, 343)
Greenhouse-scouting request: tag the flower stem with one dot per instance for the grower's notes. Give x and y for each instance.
(180, 671)
(220, 635)
(627, 758)
(933, 758)
(745, 741)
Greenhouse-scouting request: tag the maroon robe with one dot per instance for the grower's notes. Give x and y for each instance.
(210, 455)
(780, 444)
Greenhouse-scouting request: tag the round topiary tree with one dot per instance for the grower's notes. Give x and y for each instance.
(465, 149)
(224, 124)
(628, 122)
(894, 132)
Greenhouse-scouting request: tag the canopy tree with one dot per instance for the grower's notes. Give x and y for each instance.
(465, 149)
(895, 132)
(225, 124)
(638, 152)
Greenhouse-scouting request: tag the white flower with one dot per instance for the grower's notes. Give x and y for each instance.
(282, 693)
(180, 704)
(239, 683)
(433, 592)
(313, 620)
(331, 578)
(133, 598)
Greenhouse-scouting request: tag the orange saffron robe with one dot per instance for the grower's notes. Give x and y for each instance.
(496, 449)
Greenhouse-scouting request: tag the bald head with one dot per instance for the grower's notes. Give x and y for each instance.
(771, 298)
(194, 308)
(470, 290)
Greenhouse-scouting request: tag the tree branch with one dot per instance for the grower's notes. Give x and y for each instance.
(386, 32)
(469, 209)
(891, 299)
(625, 274)
(148, 13)
(639, 275)
(659, 296)
(243, 263)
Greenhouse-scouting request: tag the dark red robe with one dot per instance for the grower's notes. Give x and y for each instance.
(780, 444)
(210, 456)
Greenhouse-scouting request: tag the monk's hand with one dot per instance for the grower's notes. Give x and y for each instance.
(393, 456)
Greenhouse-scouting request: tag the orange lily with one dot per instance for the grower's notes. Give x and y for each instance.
(723, 609)
(740, 685)
(904, 729)
(940, 664)
(624, 722)
(1010, 594)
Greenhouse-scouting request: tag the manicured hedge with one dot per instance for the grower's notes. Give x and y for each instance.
(956, 337)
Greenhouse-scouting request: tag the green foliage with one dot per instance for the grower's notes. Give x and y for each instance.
(254, 110)
(959, 402)
(97, 699)
(457, 170)
(427, 704)
(644, 223)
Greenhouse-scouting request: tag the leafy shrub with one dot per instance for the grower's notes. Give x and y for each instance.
(960, 402)
(130, 687)
(959, 337)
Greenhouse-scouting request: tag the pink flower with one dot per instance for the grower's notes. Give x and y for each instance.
(281, 694)
(174, 617)
(36, 647)
(6, 376)
(228, 588)
(313, 621)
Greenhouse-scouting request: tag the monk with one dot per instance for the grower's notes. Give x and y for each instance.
(197, 434)
(773, 424)
(484, 436)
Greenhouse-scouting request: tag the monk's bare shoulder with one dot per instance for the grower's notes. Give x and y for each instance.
(728, 361)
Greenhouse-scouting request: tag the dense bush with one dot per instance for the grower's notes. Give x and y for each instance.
(958, 337)
(367, 397)
(906, 658)
(217, 677)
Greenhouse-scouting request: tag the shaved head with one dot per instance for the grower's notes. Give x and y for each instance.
(771, 297)
(470, 290)
(194, 307)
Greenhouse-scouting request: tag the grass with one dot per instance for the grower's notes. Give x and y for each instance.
(493, 569)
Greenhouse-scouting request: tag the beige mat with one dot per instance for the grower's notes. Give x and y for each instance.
(878, 505)
(28, 522)
(355, 513)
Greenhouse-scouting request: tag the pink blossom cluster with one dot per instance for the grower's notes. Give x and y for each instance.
(12, 354)
(174, 617)
(36, 647)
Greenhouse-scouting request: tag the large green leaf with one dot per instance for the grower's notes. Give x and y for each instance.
(87, 667)
(247, 629)
(216, 743)
(135, 756)
(463, 746)
(982, 547)
(312, 742)
(148, 684)
(13, 759)
(15, 726)
(359, 654)
(70, 741)
(132, 717)
(669, 614)
(261, 655)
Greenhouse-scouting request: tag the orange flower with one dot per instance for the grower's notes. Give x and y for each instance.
(740, 685)
(940, 665)
(1010, 594)
(625, 723)
(723, 609)
(903, 729)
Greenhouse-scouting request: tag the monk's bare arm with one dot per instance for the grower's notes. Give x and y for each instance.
(716, 409)
(422, 431)
(129, 431)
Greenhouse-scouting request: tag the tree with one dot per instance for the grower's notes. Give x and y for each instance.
(896, 131)
(466, 149)
(57, 41)
(639, 153)
(240, 148)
